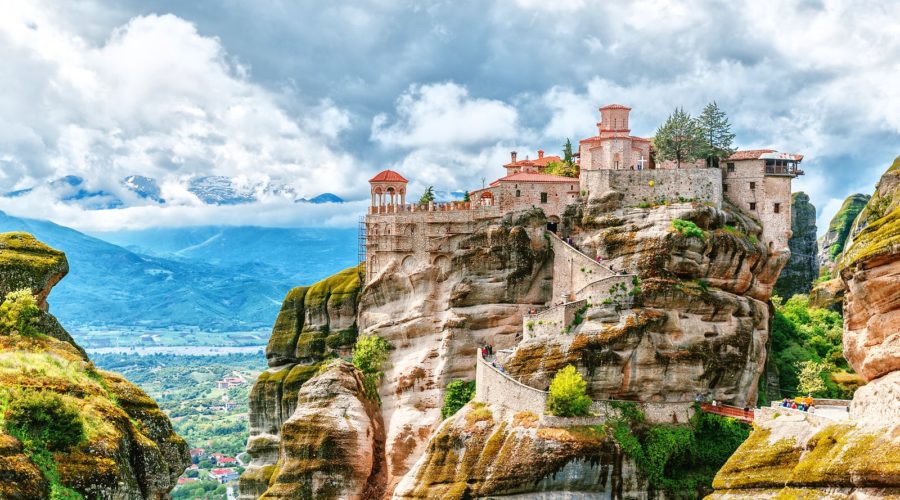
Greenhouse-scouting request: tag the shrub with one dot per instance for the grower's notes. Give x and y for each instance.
(369, 354)
(530, 325)
(18, 313)
(568, 394)
(459, 392)
(687, 228)
(45, 419)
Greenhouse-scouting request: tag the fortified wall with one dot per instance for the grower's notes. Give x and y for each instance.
(655, 186)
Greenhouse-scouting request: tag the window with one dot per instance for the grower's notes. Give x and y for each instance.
(724, 188)
(752, 205)
(518, 193)
(778, 208)
(730, 167)
(752, 185)
(543, 197)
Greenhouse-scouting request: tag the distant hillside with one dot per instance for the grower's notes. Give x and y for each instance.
(296, 255)
(112, 286)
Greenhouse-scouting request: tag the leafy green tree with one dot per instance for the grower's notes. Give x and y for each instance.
(561, 168)
(369, 354)
(568, 156)
(717, 134)
(466, 197)
(427, 196)
(679, 138)
(568, 394)
(45, 419)
(18, 313)
(458, 393)
(810, 377)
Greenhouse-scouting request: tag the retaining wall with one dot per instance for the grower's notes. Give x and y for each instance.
(573, 270)
(654, 186)
(598, 291)
(552, 321)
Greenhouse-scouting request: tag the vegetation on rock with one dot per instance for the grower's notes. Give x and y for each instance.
(370, 353)
(19, 313)
(679, 138)
(568, 394)
(677, 459)
(688, 228)
(717, 134)
(457, 394)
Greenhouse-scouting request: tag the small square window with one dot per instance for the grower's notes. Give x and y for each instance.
(752, 205)
(543, 197)
(730, 167)
(752, 185)
(778, 208)
(518, 193)
(724, 188)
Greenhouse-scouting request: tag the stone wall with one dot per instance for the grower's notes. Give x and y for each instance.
(573, 270)
(551, 321)
(654, 186)
(496, 388)
(757, 194)
(598, 291)
(513, 197)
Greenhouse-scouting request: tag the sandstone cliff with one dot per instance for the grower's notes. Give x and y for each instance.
(698, 322)
(834, 240)
(128, 451)
(802, 269)
(811, 456)
(315, 324)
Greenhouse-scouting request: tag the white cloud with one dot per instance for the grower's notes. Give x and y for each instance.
(444, 115)
(155, 98)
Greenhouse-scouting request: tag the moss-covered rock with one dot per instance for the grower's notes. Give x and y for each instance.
(129, 449)
(832, 243)
(802, 269)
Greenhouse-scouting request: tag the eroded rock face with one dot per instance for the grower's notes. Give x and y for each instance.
(833, 242)
(483, 452)
(130, 451)
(315, 323)
(802, 269)
(435, 319)
(870, 269)
(330, 446)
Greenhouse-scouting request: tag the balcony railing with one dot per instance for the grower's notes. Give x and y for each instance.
(782, 170)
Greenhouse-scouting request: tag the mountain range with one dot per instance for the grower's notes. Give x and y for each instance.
(205, 278)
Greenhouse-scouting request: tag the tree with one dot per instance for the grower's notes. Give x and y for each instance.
(568, 395)
(427, 196)
(18, 313)
(466, 197)
(459, 392)
(567, 153)
(810, 376)
(561, 168)
(679, 138)
(717, 134)
(369, 354)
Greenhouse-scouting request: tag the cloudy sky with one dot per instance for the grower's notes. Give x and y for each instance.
(317, 96)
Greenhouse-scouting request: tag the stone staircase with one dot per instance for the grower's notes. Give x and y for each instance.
(580, 284)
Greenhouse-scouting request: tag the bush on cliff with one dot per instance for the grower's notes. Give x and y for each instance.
(458, 393)
(568, 394)
(369, 354)
(18, 313)
(678, 459)
(688, 229)
(44, 418)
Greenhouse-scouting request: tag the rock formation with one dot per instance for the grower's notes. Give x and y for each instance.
(483, 451)
(129, 449)
(802, 269)
(315, 323)
(834, 240)
(807, 455)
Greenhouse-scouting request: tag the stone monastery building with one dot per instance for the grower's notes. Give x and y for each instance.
(610, 165)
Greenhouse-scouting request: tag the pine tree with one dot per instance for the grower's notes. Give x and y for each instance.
(466, 197)
(717, 134)
(567, 152)
(427, 196)
(679, 138)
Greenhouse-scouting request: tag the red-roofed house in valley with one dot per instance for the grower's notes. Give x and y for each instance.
(223, 475)
(226, 461)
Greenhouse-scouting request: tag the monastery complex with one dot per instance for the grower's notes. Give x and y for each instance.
(612, 166)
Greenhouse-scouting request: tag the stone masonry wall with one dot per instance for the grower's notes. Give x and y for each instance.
(653, 186)
(572, 270)
(756, 194)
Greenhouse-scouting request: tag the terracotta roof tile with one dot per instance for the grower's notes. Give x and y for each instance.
(615, 106)
(537, 162)
(749, 154)
(531, 177)
(388, 176)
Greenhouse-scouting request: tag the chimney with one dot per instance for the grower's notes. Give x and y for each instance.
(540, 153)
(512, 155)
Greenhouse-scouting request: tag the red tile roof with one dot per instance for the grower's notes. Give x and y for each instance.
(598, 138)
(537, 162)
(531, 177)
(388, 176)
(749, 154)
(615, 106)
